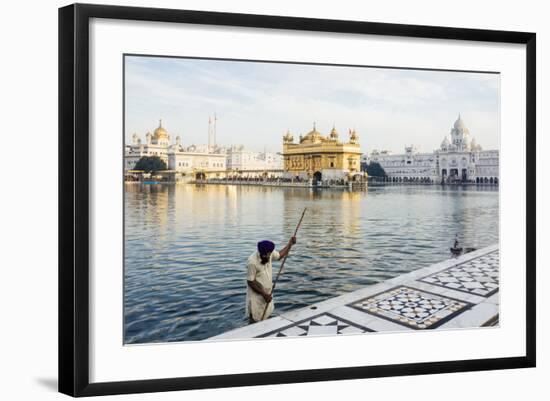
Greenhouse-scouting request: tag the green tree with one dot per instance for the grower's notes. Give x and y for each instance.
(374, 169)
(150, 164)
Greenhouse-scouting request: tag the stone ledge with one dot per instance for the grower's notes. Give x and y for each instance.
(463, 294)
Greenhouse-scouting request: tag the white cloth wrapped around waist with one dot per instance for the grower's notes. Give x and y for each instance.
(255, 305)
(262, 274)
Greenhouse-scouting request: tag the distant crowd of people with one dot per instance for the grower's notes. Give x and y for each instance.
(276, 180)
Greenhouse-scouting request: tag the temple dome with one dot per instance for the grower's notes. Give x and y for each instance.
(474, 146)
(459, 124)
(312, 136)
(160, 132)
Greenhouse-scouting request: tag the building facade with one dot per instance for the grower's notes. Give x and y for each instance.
(322, 158)
(155, 144)
(408, 166)
(459, 159)
(241, 159)
(185, 162)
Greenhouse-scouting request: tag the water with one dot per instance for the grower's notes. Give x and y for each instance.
(186, 246)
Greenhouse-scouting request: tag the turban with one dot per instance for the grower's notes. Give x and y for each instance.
(265, 247)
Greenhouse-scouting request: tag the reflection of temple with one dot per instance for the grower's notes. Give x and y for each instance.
(150, 207)
(333, 221)
(322, 158)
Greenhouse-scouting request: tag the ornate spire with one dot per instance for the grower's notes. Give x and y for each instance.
(288, 138)
(353, 137)
(333, 132)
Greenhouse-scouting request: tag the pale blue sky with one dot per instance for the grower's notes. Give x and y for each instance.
(257, 102)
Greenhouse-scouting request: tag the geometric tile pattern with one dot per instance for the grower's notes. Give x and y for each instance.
(319, 325)
(413, 308)
(479, 276)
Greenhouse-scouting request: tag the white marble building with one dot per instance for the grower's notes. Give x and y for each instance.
(241, 159)
(192, 161)
(155, 144)
(459, 159)
(409, 166)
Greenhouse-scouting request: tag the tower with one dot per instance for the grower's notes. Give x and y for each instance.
(460, 135)
(212, 132)
(215, 131)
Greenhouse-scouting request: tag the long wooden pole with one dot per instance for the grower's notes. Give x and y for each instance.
(283, 264)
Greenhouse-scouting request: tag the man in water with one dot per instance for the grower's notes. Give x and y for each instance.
(260, 279)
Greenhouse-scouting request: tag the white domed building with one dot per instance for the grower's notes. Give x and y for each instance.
(462, 160)
(190, 162)
(155, 144)
(458, 159)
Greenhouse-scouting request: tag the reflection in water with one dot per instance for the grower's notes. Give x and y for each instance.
(186, 246)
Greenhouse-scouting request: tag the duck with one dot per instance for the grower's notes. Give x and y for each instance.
(456, 249)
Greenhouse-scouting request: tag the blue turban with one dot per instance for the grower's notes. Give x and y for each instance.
(264, 247)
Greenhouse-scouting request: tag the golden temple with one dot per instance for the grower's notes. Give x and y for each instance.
(322, 158)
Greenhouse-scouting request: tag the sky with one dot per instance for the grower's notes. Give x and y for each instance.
(257, 102)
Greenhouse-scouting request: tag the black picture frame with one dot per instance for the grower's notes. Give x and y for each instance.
(74, 194)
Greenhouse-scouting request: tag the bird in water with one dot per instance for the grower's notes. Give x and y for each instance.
(456, 249)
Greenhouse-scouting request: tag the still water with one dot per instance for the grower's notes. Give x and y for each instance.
(186, 246)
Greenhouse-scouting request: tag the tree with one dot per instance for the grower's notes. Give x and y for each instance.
(374, 169)
(150, 164)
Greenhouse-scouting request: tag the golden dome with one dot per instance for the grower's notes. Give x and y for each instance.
(312, 136)
(160, 132)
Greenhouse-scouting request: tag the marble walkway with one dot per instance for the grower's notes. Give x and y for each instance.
(460, 292)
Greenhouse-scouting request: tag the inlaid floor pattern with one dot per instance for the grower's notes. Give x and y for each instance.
(411, 307)
(323, 324)
(479, 276)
